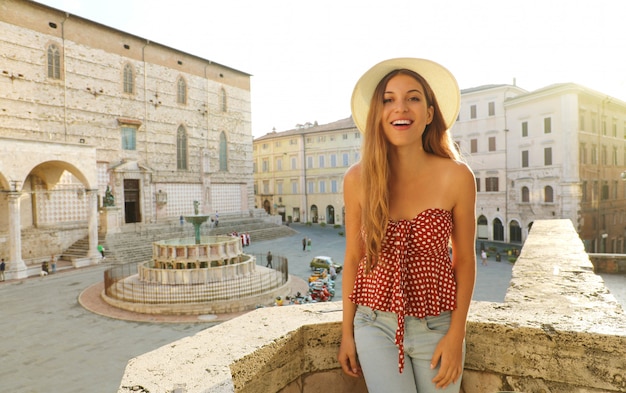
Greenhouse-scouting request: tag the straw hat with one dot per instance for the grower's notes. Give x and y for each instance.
(441, 81)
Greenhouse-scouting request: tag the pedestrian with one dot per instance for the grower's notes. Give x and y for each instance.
(247, 239)
(53, 264)
(101, 250)
(2, 269)
(217, 219)
(483, 256)
(44, 269)
(269, 259)
(405, 300)
(308, 245)
(304, 244)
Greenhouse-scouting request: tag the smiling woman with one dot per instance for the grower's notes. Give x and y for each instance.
(407, 199)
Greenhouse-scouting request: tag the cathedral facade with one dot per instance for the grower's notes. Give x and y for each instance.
(101, 130)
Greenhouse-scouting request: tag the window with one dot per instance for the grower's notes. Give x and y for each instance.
(603, 126)
(492, 108)
(478, 184)
(279, 164)
(277, 143)
(294, 187)
(333, 186)
(473, 112)
(594, 154)
(524, 129)
(524, 158)
(548, 194)
(54, 62)
(333, 161)
(223, 100)
(357, 135)
(181, 148)
(547, 156)
(491, 184)
(492, 143)
(309, 162)
(581, 121)
(129, 79)
(129, 140)
(181, 91)
(266, 187)
(321, 161)
(322, 186)
(223, 152)
(294, 163)
(474, 146)
(547, 125)
(525, 194)
(605, 190)
(346, 159)
(614, 156)
(311, 187)
(345, 136)
(279, 188)
(603, 155)
(582, 153)
(265, 165)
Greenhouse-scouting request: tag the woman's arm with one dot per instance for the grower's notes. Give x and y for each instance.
(354, 251)
(449, 351)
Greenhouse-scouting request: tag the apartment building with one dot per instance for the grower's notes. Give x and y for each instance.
(88, 111)
(556, 152)
(298, 173)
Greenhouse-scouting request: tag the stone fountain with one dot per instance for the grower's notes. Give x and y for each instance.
(196, 220)
(201, 275)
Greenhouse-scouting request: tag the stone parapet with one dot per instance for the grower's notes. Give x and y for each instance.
(559, 330)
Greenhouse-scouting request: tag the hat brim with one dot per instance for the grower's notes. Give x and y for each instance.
(441, 81)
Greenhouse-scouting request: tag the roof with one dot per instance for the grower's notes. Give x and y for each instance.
(309, 128)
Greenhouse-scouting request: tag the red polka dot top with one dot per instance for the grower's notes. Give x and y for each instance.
(414, 273)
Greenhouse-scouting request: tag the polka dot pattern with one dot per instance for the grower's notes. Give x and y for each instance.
(414, 273)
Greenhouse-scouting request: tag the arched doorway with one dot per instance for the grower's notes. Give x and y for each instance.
(330, 214)
(498, 230)
(314, 216)
(515, 232)
(267, 206)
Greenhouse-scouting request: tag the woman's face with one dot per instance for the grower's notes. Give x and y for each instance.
(405, 111)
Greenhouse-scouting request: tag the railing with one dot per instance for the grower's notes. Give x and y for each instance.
(121, 282)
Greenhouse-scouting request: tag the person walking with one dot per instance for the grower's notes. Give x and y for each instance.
(304, 244)
(308, 245)
(405, 300)
(483, 257)
(2, 269)
(269, 259)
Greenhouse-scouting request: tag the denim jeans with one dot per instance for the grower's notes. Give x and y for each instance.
(374, 334)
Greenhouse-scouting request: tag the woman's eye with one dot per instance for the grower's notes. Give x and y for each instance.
(386, 100)
(414, 99)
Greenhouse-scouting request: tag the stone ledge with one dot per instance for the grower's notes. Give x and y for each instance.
(559, 330)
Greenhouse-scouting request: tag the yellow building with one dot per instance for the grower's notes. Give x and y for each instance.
(298, 173)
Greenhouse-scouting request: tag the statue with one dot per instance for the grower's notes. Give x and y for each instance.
(196, 206)
(109, 199)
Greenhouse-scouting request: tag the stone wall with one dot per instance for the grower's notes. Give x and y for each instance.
(558, 331)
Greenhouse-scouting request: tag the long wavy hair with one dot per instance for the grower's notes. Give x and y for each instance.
(375, 162)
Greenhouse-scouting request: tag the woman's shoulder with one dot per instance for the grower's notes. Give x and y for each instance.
(353, 173)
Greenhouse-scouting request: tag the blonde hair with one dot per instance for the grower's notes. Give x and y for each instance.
(375, 162)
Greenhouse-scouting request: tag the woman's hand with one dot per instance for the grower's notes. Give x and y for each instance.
(347, 357)
(449, 355)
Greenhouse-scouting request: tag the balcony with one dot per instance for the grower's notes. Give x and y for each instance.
(558, 330)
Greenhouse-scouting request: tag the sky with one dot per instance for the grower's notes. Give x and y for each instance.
(306, 55)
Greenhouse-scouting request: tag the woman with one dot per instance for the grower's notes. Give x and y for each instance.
(405, 299)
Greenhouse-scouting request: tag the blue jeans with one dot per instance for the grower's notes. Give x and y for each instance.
(374, 334)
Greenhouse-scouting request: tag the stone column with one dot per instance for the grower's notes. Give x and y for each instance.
(93, 225)
(17, 267)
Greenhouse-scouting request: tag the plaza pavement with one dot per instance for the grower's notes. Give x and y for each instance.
(50, 343)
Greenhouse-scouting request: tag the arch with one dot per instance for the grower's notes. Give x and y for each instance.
(498, 230)
(548, 194)
(54, 61)
(515, 232)
(314, 215)
(482, 227)
(330, 214)
(181, 148)
(223, 152)
(267, 206)
(525, 194)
